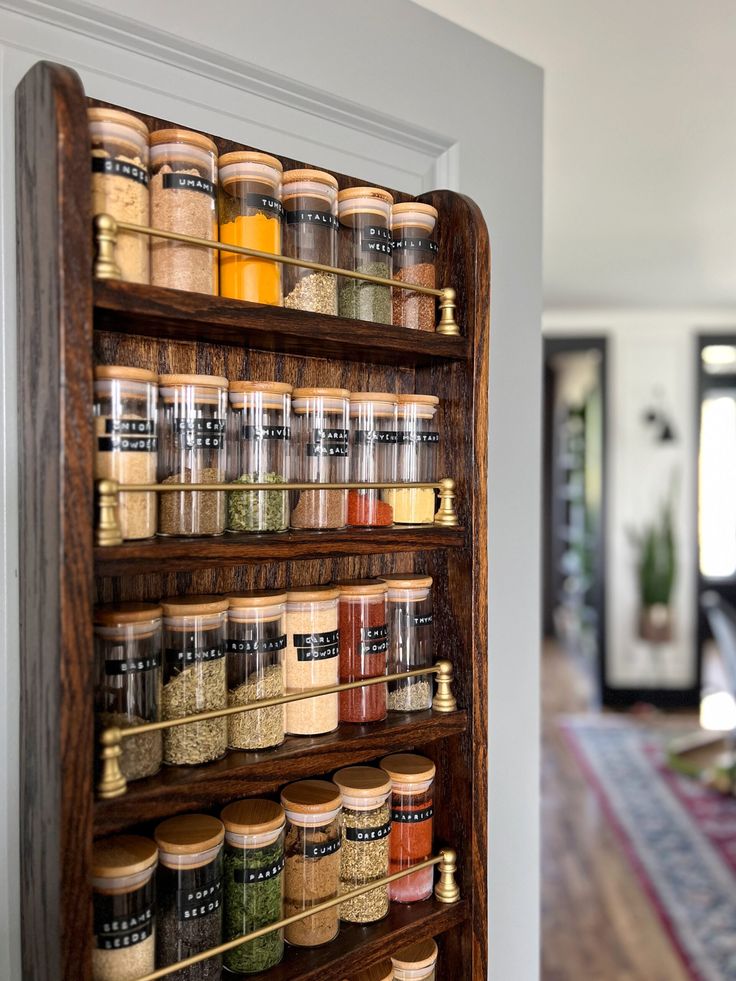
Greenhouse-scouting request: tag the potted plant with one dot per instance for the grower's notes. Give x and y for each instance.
(656, 569)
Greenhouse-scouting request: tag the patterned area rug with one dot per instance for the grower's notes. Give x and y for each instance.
(679, 836)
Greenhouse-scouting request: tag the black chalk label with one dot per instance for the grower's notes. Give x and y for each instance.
(317, 647)
(324, 218)
(423, 621)
(133, 666)
(363, 436)
(374, 640)
(266, 432)
(262, 202)
(119, 168)
(191, 904)
(416, 245)
(131, 427)
(189, 182)
(412, 817)
(367, 834)
(200, 434)
(194, 655)
(376, 239)
(125, 931)
(420, 437)
(127, 444)
(328, 442)
(260, 646)
(323, 850)
(258, 873)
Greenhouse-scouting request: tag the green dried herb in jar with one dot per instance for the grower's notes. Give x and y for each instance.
(366, 832)
(254, 865)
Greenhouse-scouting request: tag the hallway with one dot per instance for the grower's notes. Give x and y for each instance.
(597, 922)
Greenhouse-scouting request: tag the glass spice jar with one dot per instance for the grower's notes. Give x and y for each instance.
(321, 450)
(184, 200)
(372, 457)
(259, 438)
(310, 232)
(312, 874)
(366, 831)
(120, 184)
(411, 639)
(415, 261)
(256, 639)
(128, 680)
(254, 880)
(195, 678)
(189, 894)
(363, 648)
(123, 903)
(192, 423)
(412, 810)
(126, 446)
(418, 441)
(415, 962)
(365, 247)
(251, 214)
(311, 658)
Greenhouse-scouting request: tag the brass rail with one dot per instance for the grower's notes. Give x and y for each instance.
(108, 491)
(107, 228)
(446, 891)
(113, 783)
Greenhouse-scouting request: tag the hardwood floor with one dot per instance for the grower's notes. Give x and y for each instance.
(597, 923)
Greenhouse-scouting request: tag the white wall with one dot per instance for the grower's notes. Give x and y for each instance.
(651, 360)
(402, 97)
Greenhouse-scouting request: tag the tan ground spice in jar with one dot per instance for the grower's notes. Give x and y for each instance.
(184, 199)
(312, 658)
(120, 183)
(203, 510)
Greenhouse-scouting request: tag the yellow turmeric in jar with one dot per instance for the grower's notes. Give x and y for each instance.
(251, 279)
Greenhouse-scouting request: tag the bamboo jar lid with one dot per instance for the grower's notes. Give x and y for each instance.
(350, 193)
(414, 214)
(254, 816)
(122, 372)
(407, 580)
(99, 114)
(328, 393)
(189, 606)
(250, 157)
(274, 387)
(418, 400)
(186, 136)
(408, 768)
(199, 381)
(362, 587)
(311, 797)
(189, 834)
(304, 174)
(374, 397)
(118, 614)
(312, 594)
(362, 781)
(421, 954)
(256, 599)
(122, 855)
(383, 971)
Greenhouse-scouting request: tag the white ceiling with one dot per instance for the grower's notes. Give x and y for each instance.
(640, 144)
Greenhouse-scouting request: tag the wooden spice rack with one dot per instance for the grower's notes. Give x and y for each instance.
(67, 323)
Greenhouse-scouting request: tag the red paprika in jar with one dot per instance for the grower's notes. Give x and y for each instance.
(412, 810)
(363, 648)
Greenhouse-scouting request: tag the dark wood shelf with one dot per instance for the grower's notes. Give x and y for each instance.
(152, 311)
(357, 947)
(180, 554)
(240, 774)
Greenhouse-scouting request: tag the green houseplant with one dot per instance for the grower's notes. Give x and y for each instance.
(656, 570)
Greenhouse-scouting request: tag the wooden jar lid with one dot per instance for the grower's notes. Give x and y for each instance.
(116, 614)
(186, 136)
(98, 114)
(256, 599)
(122, 372)
(312, 594)
(422, 953)
(408, 767)
(188, 834)
(330, 393)
(362, 781)
(410, 207)
(361, 587)
(383, 971)
(311, 797)
(201, 381)
(349, 193)
(250, 157)
(254, 816)
(318, 176)
(274, 387)
(413, 213)
(418, 400)
(407, 580)
(122, 855)
(188, 606)
(373, 397)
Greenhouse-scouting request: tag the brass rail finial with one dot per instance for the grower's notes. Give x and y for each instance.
(446, 515)
(446, 890)
(444, 700)
(108, 529)
(112, 783)
(106, 236)
(448, 324)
